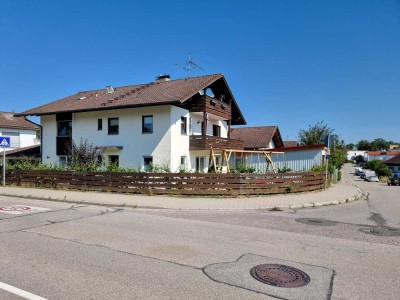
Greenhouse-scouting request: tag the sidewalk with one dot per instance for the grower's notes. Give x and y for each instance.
(337, 194)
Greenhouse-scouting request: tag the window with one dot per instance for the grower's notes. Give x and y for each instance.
(183, 161)
(183, 125)
(99, 160)
(64, 128)
(113, 160)
(148, 163)
(113, 125)
(200, 163)
(147, 124)
(100, 124)
(216, 130)
(62, 161)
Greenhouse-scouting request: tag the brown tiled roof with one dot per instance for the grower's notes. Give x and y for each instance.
(394, 161)
(153, 93)
(387, 153)
(303, 147)
(257, 137)
(9, 120)
(290, 143)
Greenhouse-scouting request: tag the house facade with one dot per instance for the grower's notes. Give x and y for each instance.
(381, 155)
(21, 131)
(394, 163)
(172, 124)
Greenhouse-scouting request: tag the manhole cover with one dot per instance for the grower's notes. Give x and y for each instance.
(280, 275)
(317, 222)
(381, 231)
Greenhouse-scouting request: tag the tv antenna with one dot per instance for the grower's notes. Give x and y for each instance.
(190, 65)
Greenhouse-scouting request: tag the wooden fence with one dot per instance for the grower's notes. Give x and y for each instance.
(171, 183)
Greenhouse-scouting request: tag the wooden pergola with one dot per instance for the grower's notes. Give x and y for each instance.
(226, 155)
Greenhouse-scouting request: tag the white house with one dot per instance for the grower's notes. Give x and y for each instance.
(169, 123)
(352, 154)
(21, 131)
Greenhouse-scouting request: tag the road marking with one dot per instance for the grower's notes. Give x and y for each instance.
(21, 209)
(19, 292)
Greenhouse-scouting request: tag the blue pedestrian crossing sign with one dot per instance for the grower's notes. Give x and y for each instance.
(4, 141)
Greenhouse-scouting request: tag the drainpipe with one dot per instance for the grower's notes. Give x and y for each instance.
(41, 142)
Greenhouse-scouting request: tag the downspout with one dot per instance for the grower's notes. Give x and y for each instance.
(41, 142)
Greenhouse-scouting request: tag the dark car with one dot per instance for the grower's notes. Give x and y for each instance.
(394, 179)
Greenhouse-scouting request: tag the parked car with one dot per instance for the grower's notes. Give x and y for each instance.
(357, 171)
(367, 173)
(372, 179)
(394, 179)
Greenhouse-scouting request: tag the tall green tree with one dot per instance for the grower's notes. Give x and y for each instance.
(315, 134)
(379, 144)
(364, 145)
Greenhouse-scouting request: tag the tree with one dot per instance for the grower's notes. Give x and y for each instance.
(379, 144)
(83, 156)
(315, 134)
(364, 145)
(350, 146)
(379, 167)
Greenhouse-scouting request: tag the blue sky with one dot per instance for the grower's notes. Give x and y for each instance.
(289, 63)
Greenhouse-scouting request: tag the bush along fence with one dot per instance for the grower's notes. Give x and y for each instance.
(194, 184)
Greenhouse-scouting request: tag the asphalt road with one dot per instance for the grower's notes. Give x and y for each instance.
(64, 251)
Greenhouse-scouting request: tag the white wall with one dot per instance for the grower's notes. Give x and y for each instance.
(135, 144)
(297, 161)
(49, 143)
(166, 144)
(179, 141)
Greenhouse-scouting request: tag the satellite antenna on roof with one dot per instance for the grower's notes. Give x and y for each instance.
(190, 65)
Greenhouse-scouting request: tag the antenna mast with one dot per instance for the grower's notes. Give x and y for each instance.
(190, 65)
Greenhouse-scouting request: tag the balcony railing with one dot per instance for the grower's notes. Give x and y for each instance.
(205, 142)
(212, 106)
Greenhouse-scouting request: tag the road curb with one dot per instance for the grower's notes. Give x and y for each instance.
(358, 196)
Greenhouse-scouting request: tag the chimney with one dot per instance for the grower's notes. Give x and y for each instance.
(163, 77)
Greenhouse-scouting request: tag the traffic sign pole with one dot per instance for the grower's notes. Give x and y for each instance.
(4, 166)
(4, 142)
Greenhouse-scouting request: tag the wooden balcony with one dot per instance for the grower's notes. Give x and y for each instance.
(205, 142)
(211, 105)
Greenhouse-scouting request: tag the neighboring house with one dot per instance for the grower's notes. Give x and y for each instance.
(169, 123)
(394, 163)
(394, 147)
(352, 154)
(296, 158)
(381, 155)
(21, 131)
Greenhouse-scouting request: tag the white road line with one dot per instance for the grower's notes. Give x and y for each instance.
(19, 292)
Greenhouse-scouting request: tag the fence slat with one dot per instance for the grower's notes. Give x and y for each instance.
(171, 183)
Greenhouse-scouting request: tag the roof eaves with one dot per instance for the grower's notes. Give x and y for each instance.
(106, 108)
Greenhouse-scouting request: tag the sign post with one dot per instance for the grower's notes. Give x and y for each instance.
(5, 143)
